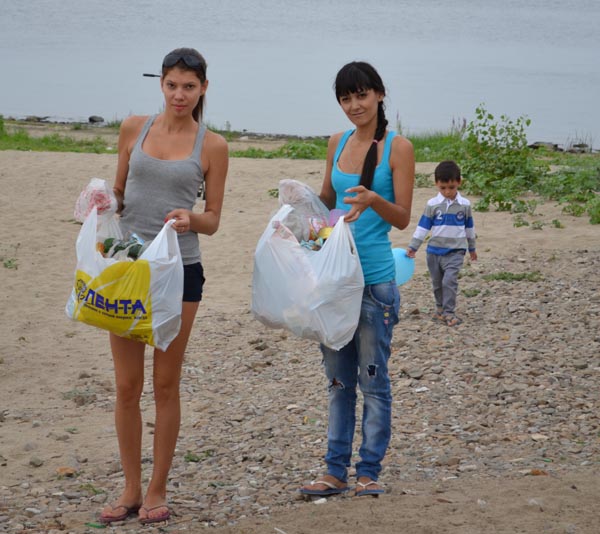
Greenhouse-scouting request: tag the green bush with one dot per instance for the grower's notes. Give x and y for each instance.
(593, 209)
(303, 150)
(576, 188)
(256, 153)
(497, 164)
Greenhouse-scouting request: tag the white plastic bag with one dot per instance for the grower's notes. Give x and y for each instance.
(138, 299)
(314, 294)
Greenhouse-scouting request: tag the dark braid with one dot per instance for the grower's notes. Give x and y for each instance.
(370, 163)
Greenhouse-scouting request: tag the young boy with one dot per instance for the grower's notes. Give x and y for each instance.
(448, 216)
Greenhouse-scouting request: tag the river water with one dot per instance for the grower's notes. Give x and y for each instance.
(271, 64)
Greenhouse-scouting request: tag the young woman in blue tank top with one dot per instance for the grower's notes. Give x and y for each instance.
(163, 160)
(370, 173)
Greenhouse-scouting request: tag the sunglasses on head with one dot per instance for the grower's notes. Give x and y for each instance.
(191, 61)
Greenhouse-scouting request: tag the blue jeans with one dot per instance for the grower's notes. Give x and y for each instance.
(363, 361)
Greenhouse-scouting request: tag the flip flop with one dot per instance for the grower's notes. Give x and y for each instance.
(332, 489)
(157, 519)
(366, 491)
(127, 511)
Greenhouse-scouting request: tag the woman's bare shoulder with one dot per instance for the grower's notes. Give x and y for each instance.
(215, 141)
(401, 143)
(133, 124)
(334, 141)
(402, 149)
(335, 138)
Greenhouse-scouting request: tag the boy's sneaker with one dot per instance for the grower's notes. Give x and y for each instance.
(452, 320)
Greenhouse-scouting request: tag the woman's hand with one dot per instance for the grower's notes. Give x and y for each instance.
(359, 202)
(182, 220)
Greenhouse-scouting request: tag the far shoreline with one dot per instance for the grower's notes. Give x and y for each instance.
(59, 122)
(98, 124)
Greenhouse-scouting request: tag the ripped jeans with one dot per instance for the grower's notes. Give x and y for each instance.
(363, 361)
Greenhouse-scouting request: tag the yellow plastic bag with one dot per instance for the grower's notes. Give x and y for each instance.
(139, 299)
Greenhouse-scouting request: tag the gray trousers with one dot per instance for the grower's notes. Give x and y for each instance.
(444, 279)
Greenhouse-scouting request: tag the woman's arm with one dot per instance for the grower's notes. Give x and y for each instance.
(327, 195)
(215, 162)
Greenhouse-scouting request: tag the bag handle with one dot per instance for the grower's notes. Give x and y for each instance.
(341, 226)
(164, 245)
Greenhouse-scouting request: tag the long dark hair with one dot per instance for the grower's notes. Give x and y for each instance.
(199, 70)
(361, 76)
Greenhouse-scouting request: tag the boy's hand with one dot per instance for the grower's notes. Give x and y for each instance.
(473, 255)
(411, 253)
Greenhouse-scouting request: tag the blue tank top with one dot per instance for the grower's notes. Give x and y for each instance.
(370, 231)
(155, 187)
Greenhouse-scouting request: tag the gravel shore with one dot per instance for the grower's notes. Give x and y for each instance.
(496, 424)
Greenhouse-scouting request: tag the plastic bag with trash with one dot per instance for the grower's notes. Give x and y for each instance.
(316, 294)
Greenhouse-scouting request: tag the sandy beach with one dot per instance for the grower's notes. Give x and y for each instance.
(496, 422)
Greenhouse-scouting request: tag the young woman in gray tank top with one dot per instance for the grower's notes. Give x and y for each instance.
(163, 161)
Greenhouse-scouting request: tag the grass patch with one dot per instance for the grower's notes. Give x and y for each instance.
(314, 148)
(80, 397)
(506, 276)
(21, 140)
(471, 292)
(53, 143)
(423, 180)
(8, 256)
(10, 263)
(437, 146)
(194, 458)
(91, 489)
(519, 221)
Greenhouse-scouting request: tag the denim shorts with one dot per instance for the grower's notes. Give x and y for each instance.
(193, 282)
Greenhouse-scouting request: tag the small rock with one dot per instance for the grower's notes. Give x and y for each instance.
(448, 461)
(31, 512)
(416, 373)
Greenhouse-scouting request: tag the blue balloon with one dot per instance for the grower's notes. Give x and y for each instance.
(405, 266)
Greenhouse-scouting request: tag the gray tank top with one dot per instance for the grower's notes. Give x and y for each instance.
(155, 187)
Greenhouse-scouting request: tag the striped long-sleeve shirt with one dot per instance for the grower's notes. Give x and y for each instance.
(450, 223)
